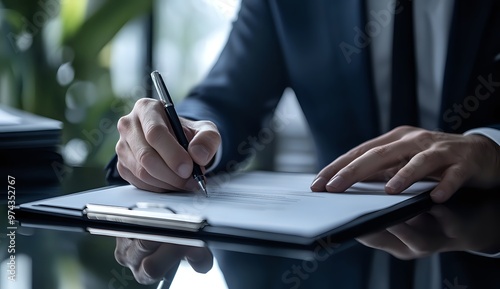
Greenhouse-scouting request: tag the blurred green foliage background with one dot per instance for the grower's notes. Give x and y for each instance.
(54, 61)
(61, 59)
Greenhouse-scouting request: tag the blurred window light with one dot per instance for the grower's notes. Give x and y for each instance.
(189, 37)
(186, 277)
(126, 58)
(225, 8)
(81, 95)
(65, 74)
(75, 152)
(22, 270)
(23, 41)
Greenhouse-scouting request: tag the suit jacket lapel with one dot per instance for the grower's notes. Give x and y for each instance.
(468, 21)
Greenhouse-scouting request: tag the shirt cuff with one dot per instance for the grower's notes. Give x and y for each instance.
(491, 133)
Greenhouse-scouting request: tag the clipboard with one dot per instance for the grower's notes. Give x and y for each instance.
(144, 217)
(184, 238)
(271, 207)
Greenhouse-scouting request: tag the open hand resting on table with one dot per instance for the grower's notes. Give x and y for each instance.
(408, 154)
(149, 155)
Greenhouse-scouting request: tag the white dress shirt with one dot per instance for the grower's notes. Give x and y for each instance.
(432, 22)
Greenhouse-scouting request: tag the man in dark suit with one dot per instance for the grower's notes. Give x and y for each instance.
(422, 98)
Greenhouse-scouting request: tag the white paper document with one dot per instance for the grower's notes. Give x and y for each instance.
(7, 118)
(279, 203)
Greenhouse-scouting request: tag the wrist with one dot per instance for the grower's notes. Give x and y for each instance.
(487, 152)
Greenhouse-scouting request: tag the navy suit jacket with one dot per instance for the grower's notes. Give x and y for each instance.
(275, 44)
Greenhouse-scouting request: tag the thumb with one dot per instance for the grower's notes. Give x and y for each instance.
(205, 142)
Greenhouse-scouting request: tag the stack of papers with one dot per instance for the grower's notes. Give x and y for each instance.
(29, 145)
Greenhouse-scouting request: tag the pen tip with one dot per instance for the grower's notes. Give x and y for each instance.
(203, 187)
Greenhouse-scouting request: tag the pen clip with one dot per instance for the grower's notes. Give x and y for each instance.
(161, 88)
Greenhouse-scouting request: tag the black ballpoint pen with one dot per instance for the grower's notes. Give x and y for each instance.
(165, 98)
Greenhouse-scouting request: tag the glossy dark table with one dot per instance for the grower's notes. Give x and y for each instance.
(451, 246)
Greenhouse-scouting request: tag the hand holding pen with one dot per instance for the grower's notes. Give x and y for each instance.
(176, 125)
(150, 155)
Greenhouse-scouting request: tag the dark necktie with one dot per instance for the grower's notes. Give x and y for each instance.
(404, 104)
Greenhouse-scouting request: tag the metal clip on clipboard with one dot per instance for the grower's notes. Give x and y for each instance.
(143, 217)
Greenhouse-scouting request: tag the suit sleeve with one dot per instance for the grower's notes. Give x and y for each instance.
(244, 86)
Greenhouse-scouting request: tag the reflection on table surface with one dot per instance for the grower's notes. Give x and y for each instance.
(454, 245)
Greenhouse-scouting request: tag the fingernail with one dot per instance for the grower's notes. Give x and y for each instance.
(184, 171)
(336, 184)
(201, 153)
(394, 185)
(318, 184)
